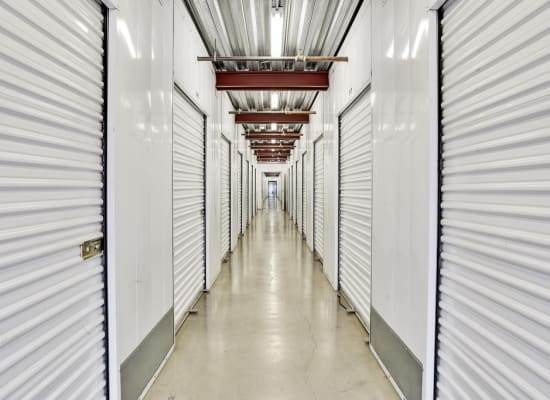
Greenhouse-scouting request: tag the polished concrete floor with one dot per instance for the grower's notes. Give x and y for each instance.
(271, 328)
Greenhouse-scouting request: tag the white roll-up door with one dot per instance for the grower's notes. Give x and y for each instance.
(253, 194)
(52, 299)
(299, 199)
(245, 192)
(291, 192)
(318, 197)
(296, 192)
(188, 203)
(240, 191)
(494, 292)
(304, 194)
(225, 196)
(354, 247)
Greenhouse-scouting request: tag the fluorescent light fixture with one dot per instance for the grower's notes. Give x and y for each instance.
(273, 141)
(302, 20)
(274, 101)
(123, 30)
(276, 33)
(254, 24)
(273, 126)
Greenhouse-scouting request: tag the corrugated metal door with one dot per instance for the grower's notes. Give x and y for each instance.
(299, 199)
(494, 291)
(188, 204)
(355, 203)
(245, 194)
(296, 190)
(253, 191)
(225, 194)
(52, 302)
(318, 197)
(240, 191)
(304, 191)
(291, 192)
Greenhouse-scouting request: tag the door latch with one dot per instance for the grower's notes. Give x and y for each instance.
(91, 248)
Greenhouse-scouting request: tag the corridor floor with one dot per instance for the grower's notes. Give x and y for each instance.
(271, 328)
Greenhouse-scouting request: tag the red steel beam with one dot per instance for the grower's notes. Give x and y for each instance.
(269, 118)
(273, 150)
(261, 132)
(272, 137)
(272, 80)
(264, 147)
(270, 154)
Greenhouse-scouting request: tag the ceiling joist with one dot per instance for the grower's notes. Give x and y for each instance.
(272, 80)
(272, 137)
(277, 132)
(271, 118)
(297, 59)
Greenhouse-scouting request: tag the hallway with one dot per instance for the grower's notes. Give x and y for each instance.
(271, 328)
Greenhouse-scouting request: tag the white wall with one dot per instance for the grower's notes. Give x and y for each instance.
(197, 80)
(143, 66)
(140, 168)
(404, 220)
(404, 191)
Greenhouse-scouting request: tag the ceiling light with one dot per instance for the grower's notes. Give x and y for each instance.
(273, 141)
(274, 101)
(276, 33)
(302, 20)
(273, 126)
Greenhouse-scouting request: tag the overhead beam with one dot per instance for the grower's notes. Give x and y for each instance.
(299, 58)
(271, 146)
(284, 151)
(272, 137)
(270, 118)
(269, 132)
(272, 80)
(271, 153)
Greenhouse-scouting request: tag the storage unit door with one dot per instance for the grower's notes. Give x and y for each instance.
(304, 197)
(52, 298)
(299, 198)
(253, 191)
(318, 197)
(494, 292)
(240, 191)
(296, 189)
(245, 194)
(291, 192)
(355, 206)
(188, 203)
(225, 194)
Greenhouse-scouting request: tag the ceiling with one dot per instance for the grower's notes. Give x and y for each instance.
(243, 28)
